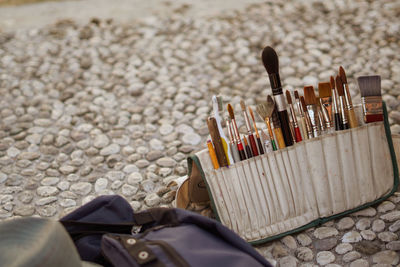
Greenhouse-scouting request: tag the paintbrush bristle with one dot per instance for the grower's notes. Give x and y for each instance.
(242, 105)
(324, 89)
(288, 97)
(270, 60)
(296, 94)
(303, 103)
(275, 118)
(332, 82)
(309, 95)
(339, 86)
(370, 85)
(230, 111)
(342, 75)
(251, 114)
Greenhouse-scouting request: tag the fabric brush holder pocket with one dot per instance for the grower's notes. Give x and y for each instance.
(298, 187)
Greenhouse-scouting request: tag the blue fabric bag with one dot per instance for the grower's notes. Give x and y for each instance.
(106, 231)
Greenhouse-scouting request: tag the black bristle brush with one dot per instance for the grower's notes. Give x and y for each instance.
(271, 64)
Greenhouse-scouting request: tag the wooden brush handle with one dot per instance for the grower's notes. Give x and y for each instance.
(353, 122)
(253, 145)
(216, 139)
(260, 147)
(279, 138)
(297, 133)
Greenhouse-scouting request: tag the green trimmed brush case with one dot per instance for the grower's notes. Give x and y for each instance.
(295, 188)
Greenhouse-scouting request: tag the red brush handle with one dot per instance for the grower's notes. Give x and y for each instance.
(297, 133)
(373, 118)
(253, 145)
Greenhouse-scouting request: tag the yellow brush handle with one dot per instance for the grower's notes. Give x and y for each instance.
(279, 138)
(352, 119)
(225, 146)
(303, 129)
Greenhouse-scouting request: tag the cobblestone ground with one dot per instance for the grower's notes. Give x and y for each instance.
(106, 108)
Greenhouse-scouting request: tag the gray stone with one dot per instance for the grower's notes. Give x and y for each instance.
(386, 206)
(325, 244)
(47, 211)
(166, 129)
(115, 175)
(351, 256)
(130, 168)
(393, 245)
(279, 251)
(363, 224)
(3, 177)
(387, 236)
(367, 247)
(386, 257)
(67, 169)
(289, 241)
(67, 202)
(288, 261)
(351, 237)
(154, 155)
(368, 235)
(368, 212)
(50, 181)
(101, 141)
(45, 201)
(128, 190)
(46, 191)
(81, 188)
(156, 144)
(391, 216)
(395, 226)
(135, 178)
(304, 254)
(100, 184)
(63, 185)
(359, 263)
(304, 240)
(343, 248)
(166, 162)
(378, 226)
(345, 223)
(29, 155)
(325, 257)
(109, 150)
(25, 210)
(324, 232)
(191, 139)
(152, 200)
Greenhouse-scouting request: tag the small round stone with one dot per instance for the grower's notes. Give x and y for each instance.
(304, 254)
(101, 141)
(45, 191)
(345, 223)
(343, 248)
(191, 139)
(81, 188)
(152, 200)
(129, 190)
(378, 226)
(386, 257)
(363, 224)
(351, 237)
(110, 150)
(100, 185)
(359, 263)
(304, 240)
(387, 236)
(386, 206)
(368, 235)
(351, 256)
(325, 257)
(324, 232)
(289, 241)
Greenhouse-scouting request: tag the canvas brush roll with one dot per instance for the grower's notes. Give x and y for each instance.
(285, 191)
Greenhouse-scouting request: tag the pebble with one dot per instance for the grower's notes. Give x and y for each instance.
(343, 248)
(386, 257)
(110, 150)
(386, 206)
(345, 223)
(191, 139)
(325, 257)
(368, 212)
(378, 226)
(166, 162)
(325, 244)
(100, 185)
(351, 237)
(395, 226)
(81, 188)
(304, 240)
(25, 210)
(134, 178)
(304, 254)
(45, 201)
(391, 216)
(128, 190)
(152, 200)
(288, 261)
(363, 224)
(101, 141)
(387, 236)
(359, 263)
(45, 191)
(324, 232)
(368, 234)
(351, 256)
(289, 241)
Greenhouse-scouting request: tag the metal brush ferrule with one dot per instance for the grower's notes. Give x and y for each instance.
(325, 115)
(312, 112)
(294, 119)
(236, 131)
(347, 97)
(321, 121)
(228, 125)
(334, 102)
(308, 125)
(342, 109)
(280, 102)
(300, 110)
(372, 105)
(247, 122)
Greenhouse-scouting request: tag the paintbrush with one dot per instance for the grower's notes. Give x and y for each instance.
(239, 144)
(335, 107)
(296, 129)
(277, 125)
(267, 142)
(217, 106)
(303, 126)
(325, 96)
(252, 141)
(260, 147)
(216, 139)
(371, 97)
(307, 118)
(328, 123)
(271, 64)
(232, 144)
(213, 156)
(340, 91)
(265, 111)
(311, 105)
(247, 148)
(353, 123)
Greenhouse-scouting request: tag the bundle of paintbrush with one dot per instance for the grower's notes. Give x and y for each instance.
(290, 122)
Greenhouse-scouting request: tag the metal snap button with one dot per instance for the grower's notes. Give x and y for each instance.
(143, 255)
(131, 241)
